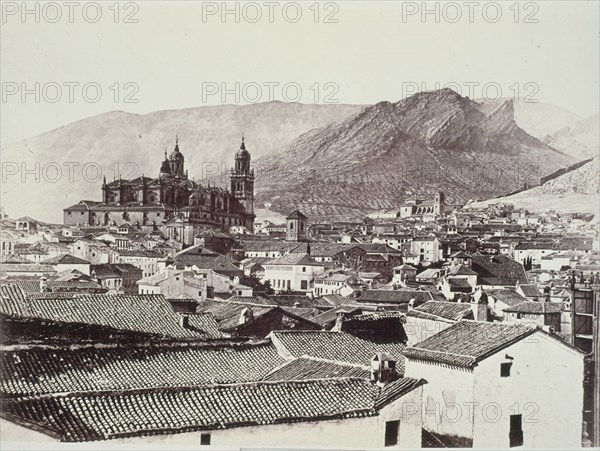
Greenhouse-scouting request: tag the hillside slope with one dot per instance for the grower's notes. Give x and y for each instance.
(389, 151)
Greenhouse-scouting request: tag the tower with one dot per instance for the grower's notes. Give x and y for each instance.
(295, 227)
(176, 160)
(242, 180)
(438, 203)
(165, 167)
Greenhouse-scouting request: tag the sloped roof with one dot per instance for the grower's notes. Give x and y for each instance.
(228, 314)
(12, 300)
(534, 308)
(467, 342)
(507, 296)
(216, 263)
(65, 259)
(294, 259)
(147, 314)
(460, 270)
(305, 368)
(498, 270)
(334, 346)
(453, 311)
(99, 416)
(90, 368)
(296, 215)
(529, 290)
(401, 296)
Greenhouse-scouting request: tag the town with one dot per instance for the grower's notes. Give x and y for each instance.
(168, 311)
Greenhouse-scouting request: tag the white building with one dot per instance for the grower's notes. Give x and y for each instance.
(292, 272)
(496, 385)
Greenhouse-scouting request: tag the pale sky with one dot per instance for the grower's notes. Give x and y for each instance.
(547, 50)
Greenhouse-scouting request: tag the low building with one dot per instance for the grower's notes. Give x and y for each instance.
(484, 386)
(292, 272)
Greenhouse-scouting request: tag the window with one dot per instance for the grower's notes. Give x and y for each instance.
(304, 269)
(391, 432)
(516, 431)
(505, 369)
(303, 285)
(205, 439)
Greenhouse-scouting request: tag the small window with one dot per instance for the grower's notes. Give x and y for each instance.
(205, 439)
(304, 269)
(391, 432)
(303, 285)
(505, 369)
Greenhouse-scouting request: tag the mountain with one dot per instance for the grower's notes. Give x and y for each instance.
(541, 119)
(574, 192)
(581, 140)
(387, 152)
(131, 145)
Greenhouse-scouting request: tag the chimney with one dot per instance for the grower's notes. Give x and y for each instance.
(339, 322)
(411, 304)
(184, 321)
(246, 316)
(383, 368)
(43, 284)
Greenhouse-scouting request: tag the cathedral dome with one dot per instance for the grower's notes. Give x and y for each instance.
(176, 154)
(242, 152)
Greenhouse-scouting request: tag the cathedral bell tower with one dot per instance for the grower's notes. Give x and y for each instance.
(242, 179)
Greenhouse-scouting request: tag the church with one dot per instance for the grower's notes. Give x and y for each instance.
(173, 203)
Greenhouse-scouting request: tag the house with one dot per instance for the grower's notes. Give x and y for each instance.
(501, 299)
(427, 248)
(529, 291)
(93, 251)
(144, 259)
(67, 262)
(334, 283)
(117, 277)
(347, 256)
(404, 273)
(173, 284)
(484, 386)
(546, 315)
(319, 413)
(292, 272)
(215, 240)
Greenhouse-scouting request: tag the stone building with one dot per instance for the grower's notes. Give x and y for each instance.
(173, 202)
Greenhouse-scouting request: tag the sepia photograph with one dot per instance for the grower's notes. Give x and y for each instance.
(299, 225)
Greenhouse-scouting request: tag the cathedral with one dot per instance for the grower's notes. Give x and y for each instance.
(173, 203)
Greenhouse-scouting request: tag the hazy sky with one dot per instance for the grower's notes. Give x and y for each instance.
(182, 54)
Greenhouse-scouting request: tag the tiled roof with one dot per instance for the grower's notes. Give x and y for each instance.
(38, 370)
(65, 259)
(396, 389)
(329, 249)
(294, 259)
(507, 296)
(330, 316)
(498, 270)
(272, 246)
(28, 284)
(467, 342)
(12, 300)
(216, 263)
(401, 296)
(26, 267)
(296, 215)
(305, 368)
(529, 290)
(82, 417)
(334, 346)
(460, 270)
(147, 314)
(453, 311)
(228, 314)
(534, 307)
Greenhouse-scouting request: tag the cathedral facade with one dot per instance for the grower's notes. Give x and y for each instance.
(172, 202)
